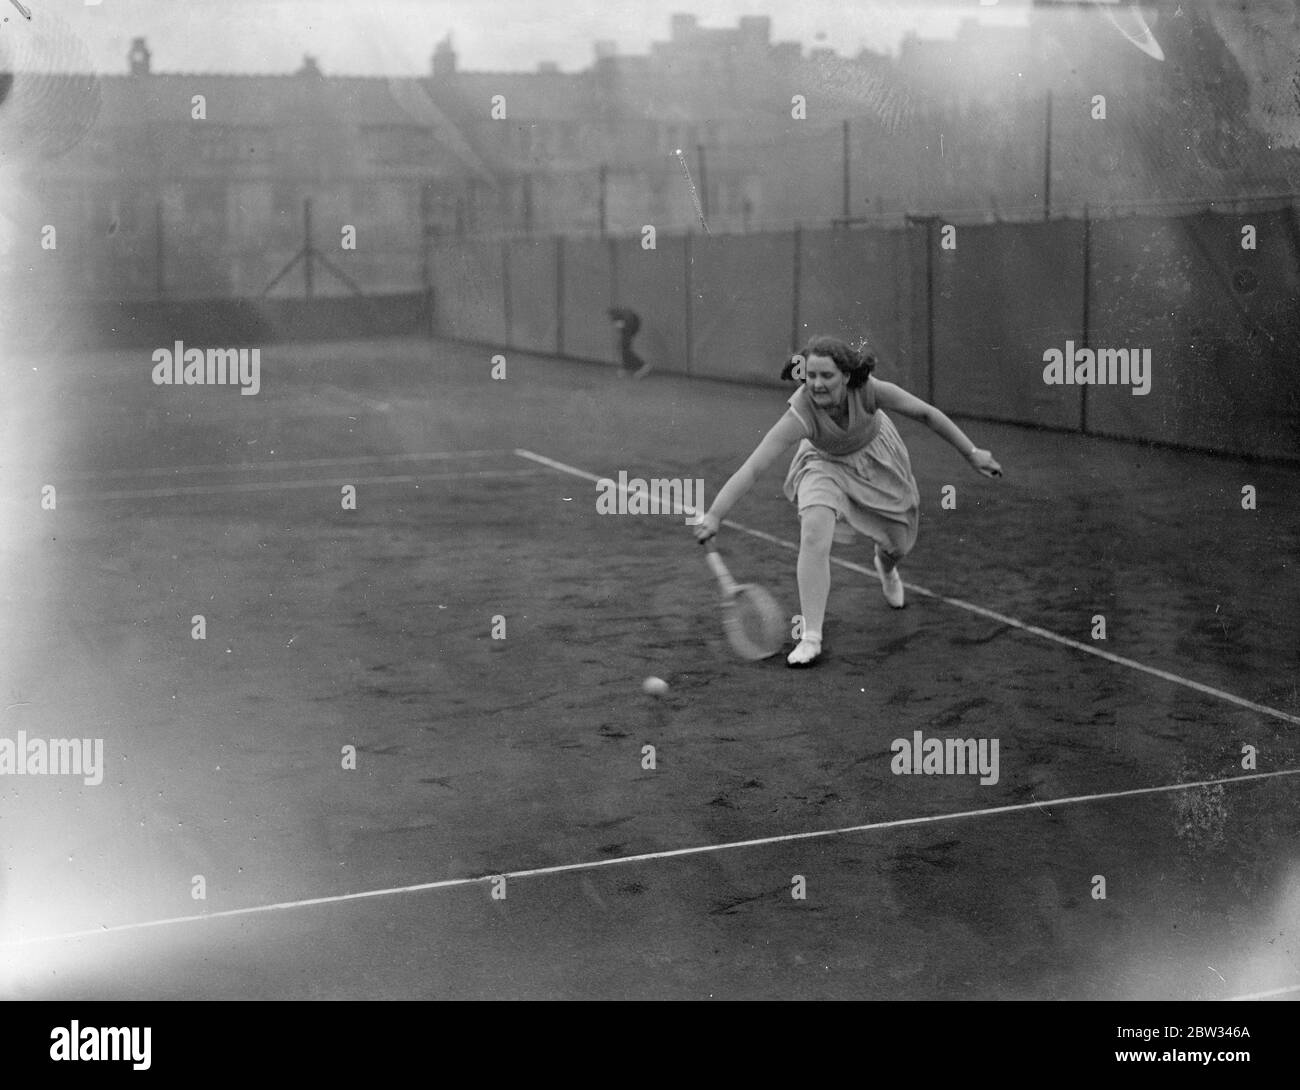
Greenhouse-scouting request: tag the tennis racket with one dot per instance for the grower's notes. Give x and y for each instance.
(752, 620)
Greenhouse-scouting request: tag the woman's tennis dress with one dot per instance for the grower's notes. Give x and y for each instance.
(861, 471)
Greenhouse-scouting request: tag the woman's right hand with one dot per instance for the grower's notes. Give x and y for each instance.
(707, 527)
(984, 462)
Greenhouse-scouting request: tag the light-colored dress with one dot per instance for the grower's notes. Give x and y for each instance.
(860, 470)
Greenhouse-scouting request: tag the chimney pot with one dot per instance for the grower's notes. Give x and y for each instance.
(138, 57)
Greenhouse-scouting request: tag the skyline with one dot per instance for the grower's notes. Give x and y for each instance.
(397, 37)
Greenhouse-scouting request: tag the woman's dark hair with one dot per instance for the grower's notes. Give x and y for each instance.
(856, 361)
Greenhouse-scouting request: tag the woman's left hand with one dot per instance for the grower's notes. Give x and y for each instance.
(984, 462)
(707, 527)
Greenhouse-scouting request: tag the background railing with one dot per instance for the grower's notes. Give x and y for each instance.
(965, 327)
(1215, 296)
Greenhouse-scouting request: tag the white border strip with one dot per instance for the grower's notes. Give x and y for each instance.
(1265, 995)
(246, 467)
(1065, 641)
(280, 486)
(645, 857)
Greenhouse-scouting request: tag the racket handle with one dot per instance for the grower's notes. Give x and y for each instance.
(720, 569)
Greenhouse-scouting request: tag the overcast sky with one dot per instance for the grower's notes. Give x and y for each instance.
(396, 37)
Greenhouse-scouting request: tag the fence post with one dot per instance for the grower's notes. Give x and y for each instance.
(505, 291)
(798, 277)
(160, 251)
(426, 272)
(847, 180)
(1047, 161)
(689, 301)
(559, 295)
(929, 305)
(603, 182)
(704, 183)
(614, 287)
(1087, 310)
(307, 245)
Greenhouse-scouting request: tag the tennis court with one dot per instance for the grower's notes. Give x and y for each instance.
(480, 757)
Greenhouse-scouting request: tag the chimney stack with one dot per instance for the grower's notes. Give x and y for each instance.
(684, 27)
(138, 58)
(444, 59)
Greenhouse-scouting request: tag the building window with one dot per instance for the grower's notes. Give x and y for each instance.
(250, 209)
(105, 147)
(526, 137)
(286, 210)
(396, 143)
(123, 214)
(255, 143)
(216, 143)
(383, 203)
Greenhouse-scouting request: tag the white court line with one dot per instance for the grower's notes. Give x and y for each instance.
(1065, 641)
(279, 486)
(645, 857)
(245, 467)
(1265, 995)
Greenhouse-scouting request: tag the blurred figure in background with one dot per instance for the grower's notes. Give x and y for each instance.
(628, 323)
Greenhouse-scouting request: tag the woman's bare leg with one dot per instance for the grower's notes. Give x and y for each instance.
(817, 530)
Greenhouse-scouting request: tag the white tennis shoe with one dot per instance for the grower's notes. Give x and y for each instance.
(891, 583)
(806, 654)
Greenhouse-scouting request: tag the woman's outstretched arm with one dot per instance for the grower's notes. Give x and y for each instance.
(785, 432)
(889, 396)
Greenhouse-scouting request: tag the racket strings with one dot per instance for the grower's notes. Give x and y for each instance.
(755, 623)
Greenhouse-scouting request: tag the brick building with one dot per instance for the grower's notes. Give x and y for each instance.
(194, 184)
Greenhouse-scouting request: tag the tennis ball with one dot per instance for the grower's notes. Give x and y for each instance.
(655, 686)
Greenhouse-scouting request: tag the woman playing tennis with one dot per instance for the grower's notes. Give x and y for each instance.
(851, 466)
